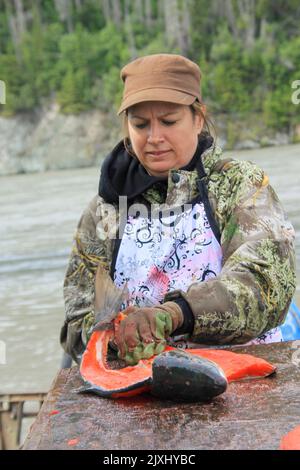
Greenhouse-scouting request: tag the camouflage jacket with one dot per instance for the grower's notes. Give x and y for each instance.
(252, 293)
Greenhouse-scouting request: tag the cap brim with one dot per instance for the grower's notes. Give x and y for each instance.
(157, 94)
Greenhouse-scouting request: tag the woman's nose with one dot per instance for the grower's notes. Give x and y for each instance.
(155, 135)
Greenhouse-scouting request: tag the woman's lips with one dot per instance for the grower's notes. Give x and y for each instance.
(157, 154)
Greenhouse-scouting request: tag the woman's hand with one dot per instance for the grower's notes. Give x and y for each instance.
(144, 331)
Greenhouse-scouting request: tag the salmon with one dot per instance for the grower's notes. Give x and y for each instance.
(291, 441)
(129, 381)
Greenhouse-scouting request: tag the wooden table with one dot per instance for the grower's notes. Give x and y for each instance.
(252, 414)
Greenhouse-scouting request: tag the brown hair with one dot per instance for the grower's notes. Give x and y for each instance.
(208, 129)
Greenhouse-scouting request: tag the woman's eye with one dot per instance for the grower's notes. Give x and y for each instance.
(168, 123)
(140, 126)
(164, 122)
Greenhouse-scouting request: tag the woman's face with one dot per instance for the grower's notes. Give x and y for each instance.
(163, 135)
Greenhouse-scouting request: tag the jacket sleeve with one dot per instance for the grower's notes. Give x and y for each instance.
(88, 251)
(253, 291)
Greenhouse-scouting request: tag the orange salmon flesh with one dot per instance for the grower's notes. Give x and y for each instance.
(133, 380)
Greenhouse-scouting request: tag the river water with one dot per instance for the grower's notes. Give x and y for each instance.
(38, 214)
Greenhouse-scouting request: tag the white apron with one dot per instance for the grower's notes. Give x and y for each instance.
(166, 253)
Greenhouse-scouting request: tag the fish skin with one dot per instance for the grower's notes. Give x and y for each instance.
(117, 393)
(185, 377)
(108, 300)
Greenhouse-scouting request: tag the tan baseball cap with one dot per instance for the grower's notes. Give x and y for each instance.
(160, 77)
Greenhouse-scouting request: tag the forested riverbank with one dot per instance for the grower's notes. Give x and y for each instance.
(68, 53)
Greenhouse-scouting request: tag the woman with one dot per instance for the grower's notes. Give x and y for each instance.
(202, 242)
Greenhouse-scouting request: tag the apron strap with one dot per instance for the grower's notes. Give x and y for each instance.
(202, 188)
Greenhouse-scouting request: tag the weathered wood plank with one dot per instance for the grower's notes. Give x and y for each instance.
(253, 414)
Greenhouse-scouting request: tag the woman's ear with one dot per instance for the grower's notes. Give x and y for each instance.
(201, 118)
(203, 108)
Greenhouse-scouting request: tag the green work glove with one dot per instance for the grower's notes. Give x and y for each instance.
(143, 333)
(142, 351)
